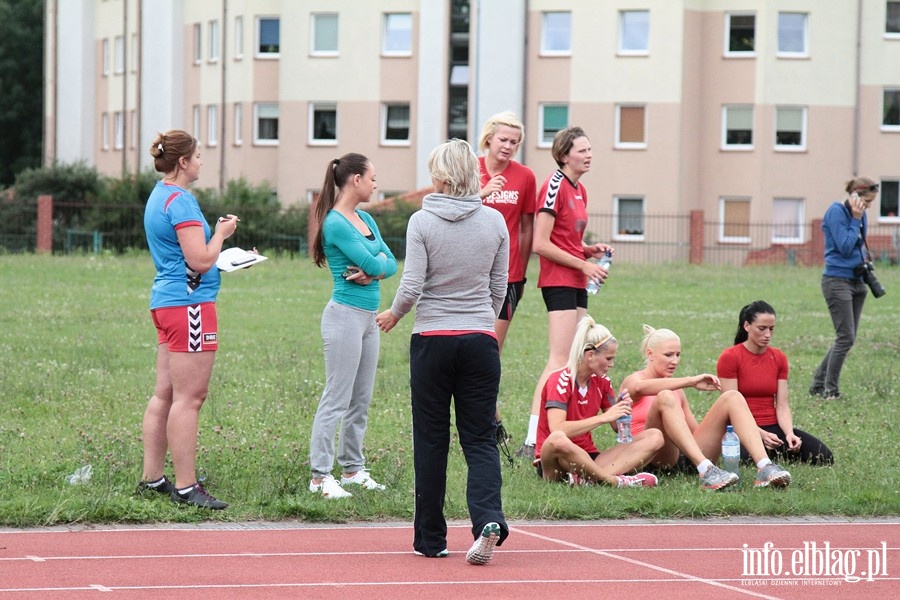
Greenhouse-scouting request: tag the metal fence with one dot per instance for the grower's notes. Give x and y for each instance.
(79, 227)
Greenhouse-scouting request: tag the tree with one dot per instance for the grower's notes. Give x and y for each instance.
(21, 86)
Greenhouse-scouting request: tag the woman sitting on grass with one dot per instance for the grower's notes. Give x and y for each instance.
(571, 400)
(760, 373)
(660, 403)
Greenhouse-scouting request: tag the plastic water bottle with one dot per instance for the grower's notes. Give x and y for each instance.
(592, 286)
(623, 428)
(731, 451)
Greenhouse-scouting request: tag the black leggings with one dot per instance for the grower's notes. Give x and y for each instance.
(812, 450)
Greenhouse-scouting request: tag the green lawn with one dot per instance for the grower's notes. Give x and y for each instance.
(76, 367)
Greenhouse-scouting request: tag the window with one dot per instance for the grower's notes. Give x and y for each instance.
(104, 131)
(790, 128)
(212, 125)
(737, 127)
(213, 41)
(198, 43)
(324, 34)
(787, 221)
(631, 126)
(740, 35)
(105, 52)
(889, 197)
(119, 137)
(196, 128)
(265, 124)
(268, 35)
(395, 124)
(634, 32)
(397, 34)
(890, 119)
(238, 123)
(792, 34)
(134, 136)
(734, 217)
(238, 37)
(556, 33)
(134, 52)
(628, 216)
(120, 54)
(892, 19)
(322, 124)
(553, 118)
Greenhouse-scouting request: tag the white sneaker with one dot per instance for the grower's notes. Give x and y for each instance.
(362, 478)
(482, 549)
(329, 488)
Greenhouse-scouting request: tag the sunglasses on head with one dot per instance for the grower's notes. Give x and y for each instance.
(872, 188)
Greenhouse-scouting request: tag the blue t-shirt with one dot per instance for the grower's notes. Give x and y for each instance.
(345, 246)
(169, 208)
(844, 241)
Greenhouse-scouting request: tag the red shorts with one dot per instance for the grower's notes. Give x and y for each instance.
(187, 328)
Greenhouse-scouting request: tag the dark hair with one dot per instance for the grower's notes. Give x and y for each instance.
(748, 315)
(170, 146)
(338, 172)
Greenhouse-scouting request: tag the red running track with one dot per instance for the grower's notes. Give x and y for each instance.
(738, 558)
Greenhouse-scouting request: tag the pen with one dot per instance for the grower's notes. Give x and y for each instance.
(225, 219)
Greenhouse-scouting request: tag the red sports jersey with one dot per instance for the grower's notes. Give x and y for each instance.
(757, 377)
(559, 392)
(567, 202)
(517, 198)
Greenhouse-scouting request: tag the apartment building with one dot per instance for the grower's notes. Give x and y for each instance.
(751, 112)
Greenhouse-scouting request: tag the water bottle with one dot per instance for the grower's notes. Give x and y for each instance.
(731, 451)
(623, 428)
(605, 261)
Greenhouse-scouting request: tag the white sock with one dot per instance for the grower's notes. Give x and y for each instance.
(702, 467)
(531, 438)
(763, 463)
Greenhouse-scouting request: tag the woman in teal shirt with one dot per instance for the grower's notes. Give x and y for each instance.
(347, 239)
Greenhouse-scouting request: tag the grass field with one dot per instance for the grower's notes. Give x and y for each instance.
(76, 367)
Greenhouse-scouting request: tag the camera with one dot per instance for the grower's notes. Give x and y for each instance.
(867, 272)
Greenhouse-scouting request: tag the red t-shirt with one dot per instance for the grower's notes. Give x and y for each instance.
(559, 392)
(757, 378)
(567, 202)
(517, 198)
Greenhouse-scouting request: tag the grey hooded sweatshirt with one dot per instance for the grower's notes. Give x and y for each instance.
(457, 257)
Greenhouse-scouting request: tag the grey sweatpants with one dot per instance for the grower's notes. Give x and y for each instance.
(351, 341)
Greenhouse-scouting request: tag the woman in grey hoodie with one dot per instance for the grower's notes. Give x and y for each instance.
(455, 274)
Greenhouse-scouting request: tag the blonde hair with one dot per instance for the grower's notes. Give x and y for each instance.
(454, 162)
(653, 338)
(507, 118)
(589, 335)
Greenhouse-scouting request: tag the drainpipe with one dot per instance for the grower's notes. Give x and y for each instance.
(223, 56)
(856, 117)
(124, 88)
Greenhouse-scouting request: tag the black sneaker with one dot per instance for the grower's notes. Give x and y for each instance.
(163, 487)
(198, 497)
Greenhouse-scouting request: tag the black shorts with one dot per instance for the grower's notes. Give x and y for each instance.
(540, 469)
(514, 293)
(564, 298)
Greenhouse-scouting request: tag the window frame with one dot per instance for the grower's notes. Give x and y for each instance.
(213, 29)
(316, 107)
(617, 140)
(621, 50)
(617, 234)
(119, 54)
(118, 130)
(723, 225)
(387, 33)
(313, 38)
(895, 91)
(104, 131)
(212, 125)
(258, 52)
(542, 108)
(724, 139)
(800, 215)
(727, 51)
(801, 147)
(885, 184)
(198, 43)
(792, 53)
(239, 37)
(891, 35)
(545, 50)
(257, 141)
(107, 61)
(195, 130)
(385, 118)
(238, 124)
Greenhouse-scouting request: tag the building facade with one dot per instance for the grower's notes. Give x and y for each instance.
(751, 112)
